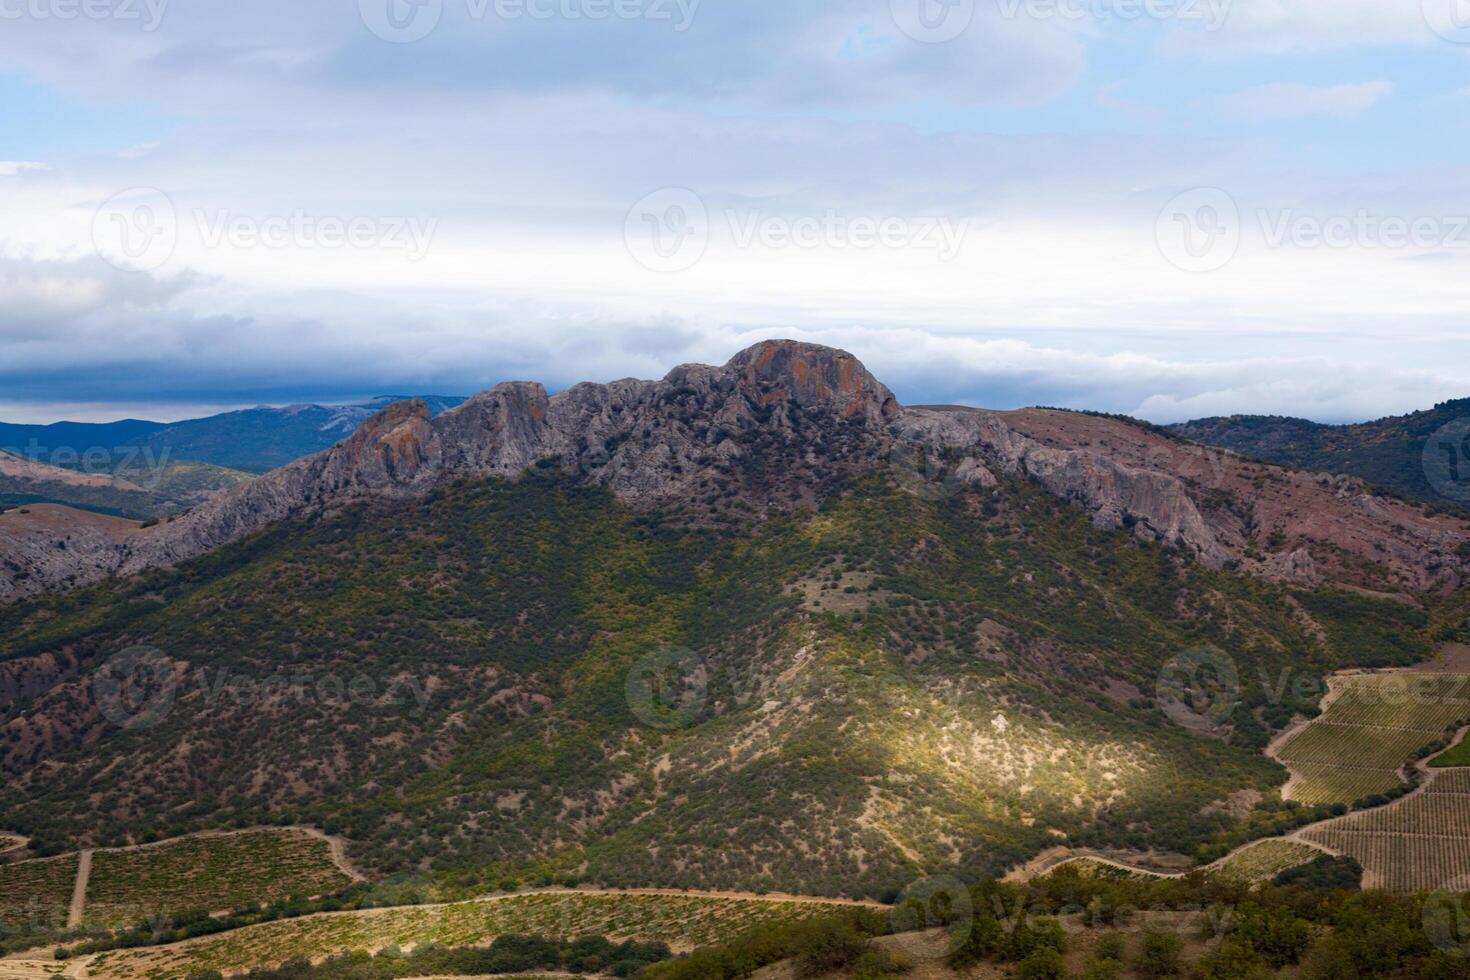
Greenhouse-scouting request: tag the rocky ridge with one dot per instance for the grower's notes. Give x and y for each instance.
(785, 422)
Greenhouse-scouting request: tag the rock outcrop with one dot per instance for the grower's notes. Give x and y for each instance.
(776, 426)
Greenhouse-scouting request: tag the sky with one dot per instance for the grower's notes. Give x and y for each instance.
(1167, 208)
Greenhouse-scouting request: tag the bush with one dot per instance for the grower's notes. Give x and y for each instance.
(1110, 946)
(1104, 969)
(876, 964)
(1044, 963)
(1233, 961)
(826, 947)
(1160, 954)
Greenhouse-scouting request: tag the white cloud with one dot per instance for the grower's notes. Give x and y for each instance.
(1290, 101)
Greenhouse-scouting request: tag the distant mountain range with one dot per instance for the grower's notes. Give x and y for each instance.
(1388, 452)
(253, 440)
(145, 470)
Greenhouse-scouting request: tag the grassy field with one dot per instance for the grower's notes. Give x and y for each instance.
(1457, 756)
(681, 921)
(36, 892)
(1419, 843)
(1261, 862)
(208, 874)
(1373, 727)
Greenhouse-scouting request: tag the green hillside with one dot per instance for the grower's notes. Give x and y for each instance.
(1388, 452)
(892, 684)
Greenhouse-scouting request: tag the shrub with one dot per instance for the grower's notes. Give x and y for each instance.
(1160, 954)
(1043, 963)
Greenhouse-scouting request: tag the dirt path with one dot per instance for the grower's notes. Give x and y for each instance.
(79, 890)
(1336, 684)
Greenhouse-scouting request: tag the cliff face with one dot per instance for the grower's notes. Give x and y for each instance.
(782, 423)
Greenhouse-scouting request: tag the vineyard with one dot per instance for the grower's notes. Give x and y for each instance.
(208, 874)
(684, 922)
(1373, 726)
(36, 892)
(1261, 862)
(1419, 843)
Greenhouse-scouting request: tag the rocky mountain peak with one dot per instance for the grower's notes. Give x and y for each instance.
(813, 376)
(783, 424)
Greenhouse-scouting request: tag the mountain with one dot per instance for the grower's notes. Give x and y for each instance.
(756, 626)
(253, 440)
(1388, 453)
(133, 489)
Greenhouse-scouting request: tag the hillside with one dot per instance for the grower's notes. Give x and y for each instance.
(754, 627)
(132, 489)
(1389, 452)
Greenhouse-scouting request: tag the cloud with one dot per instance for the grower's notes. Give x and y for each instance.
(1291, 101)
(153, 343)
(838, 53)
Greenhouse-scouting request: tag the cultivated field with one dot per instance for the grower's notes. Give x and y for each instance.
(1419, 843)
(37, 892)
(209, 874)
(1373, 725)
(683, 922)
(1260, 862)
